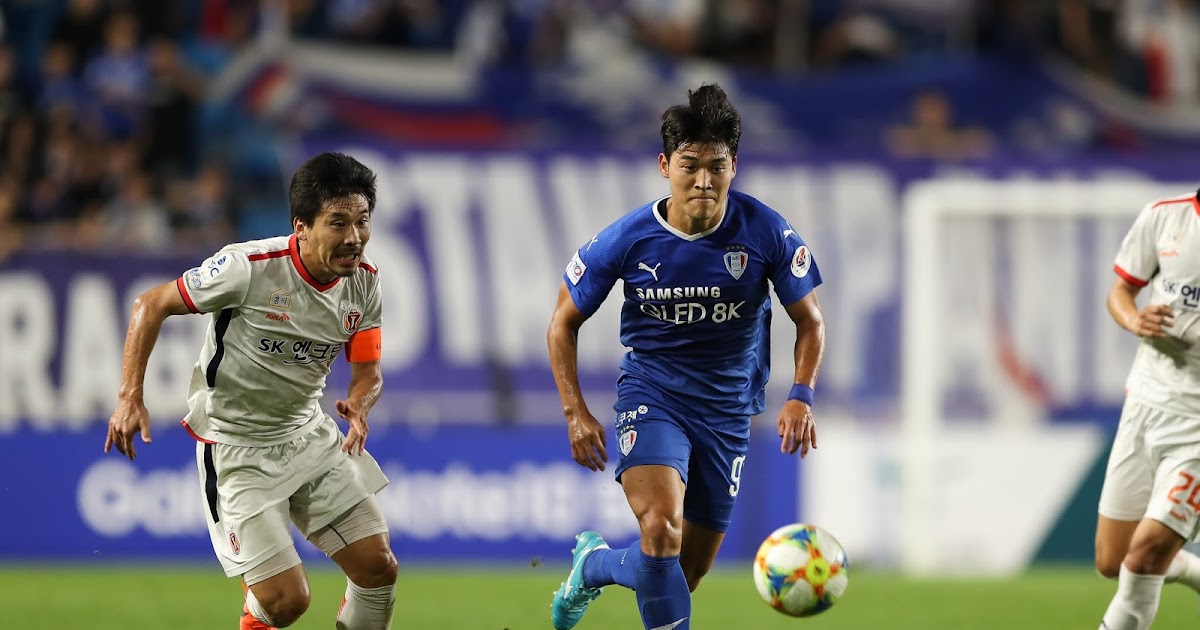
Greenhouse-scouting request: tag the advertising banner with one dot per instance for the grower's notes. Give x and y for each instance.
(468, 493)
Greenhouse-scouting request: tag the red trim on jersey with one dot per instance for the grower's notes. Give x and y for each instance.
(1191, 198)
(187, 299)
(193, 433)
(1137, 282)
(365, 346)
(1196, 202)
(294, 249)
(363, 265)
(275, 254)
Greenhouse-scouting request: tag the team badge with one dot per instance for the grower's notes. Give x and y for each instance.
(736, 262)
(234, 545)
(351, 317)
(279, 299)
(801, 262)
(575, 269)
(627, 440)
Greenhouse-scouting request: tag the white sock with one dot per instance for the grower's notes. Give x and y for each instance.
(1185, 569)
(1136, 602)
(256, 609)
(367, 608)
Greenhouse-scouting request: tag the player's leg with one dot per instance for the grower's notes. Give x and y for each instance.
(719, 448)
(699, 552)
(358, 542)
(648, 435)
(337, 512)
(1128, 481)
(276, 592)
(655, 493)
(250, 542)
(1171, 518)
(1139, 584)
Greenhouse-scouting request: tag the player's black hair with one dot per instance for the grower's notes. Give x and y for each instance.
(325, 177)
(708, 117)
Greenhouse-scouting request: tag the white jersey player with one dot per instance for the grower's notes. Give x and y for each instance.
(282, 310)
(1150, 503)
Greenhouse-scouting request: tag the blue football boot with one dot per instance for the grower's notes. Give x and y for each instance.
(572, 597)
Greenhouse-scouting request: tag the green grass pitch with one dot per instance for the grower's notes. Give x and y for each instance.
(200, 598)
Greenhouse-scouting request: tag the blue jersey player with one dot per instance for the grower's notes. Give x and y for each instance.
(696, 267)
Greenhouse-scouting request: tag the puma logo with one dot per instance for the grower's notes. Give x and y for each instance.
(653, 270)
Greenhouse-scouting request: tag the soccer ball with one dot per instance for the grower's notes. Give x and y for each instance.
(801, 570)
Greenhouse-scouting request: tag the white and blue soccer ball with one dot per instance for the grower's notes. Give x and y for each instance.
(801, 570)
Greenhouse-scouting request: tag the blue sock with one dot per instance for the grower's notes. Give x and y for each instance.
(612, 566)
(662, 593)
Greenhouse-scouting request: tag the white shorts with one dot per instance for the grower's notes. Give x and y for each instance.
(252, 495)
(1154, 469)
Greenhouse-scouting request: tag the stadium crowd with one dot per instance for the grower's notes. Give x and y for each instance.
(106, 141)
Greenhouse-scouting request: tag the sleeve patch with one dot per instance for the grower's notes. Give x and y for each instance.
(575, 269)
(801, 261)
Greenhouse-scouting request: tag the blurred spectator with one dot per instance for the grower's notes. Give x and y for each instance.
(118, 77)
(173, 94)
(932, 133)
(81, 27)
(135, 219)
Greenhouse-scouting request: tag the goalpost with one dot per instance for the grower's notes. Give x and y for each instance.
(972, 384)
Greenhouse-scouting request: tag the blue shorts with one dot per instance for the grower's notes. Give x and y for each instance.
(708, 452)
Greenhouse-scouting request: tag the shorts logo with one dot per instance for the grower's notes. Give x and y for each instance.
(279, 299)
(351, 317)
(627, 440)
(234, 544)
(735, 263)
(800, 262)
(575, 269)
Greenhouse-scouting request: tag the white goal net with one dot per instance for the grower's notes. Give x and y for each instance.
(1009, 358)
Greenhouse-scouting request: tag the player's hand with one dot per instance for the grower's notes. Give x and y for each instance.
(356, 437)
(129, 419)
(587, 441)
(1153, 321)
(797, 428)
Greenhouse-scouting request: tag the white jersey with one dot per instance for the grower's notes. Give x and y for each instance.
(274, 335)
(1161, 251)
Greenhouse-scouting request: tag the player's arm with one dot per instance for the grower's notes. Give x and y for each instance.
(149, 311)
(797, 429)
(562, 339)
(1122, 306)
(366, 383)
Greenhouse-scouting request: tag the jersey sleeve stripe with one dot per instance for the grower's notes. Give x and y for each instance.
(365, 346)
(267, 256)
(363, 265)
(187, 299)
(1130, 278)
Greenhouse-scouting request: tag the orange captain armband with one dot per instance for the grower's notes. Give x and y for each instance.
(365, 346)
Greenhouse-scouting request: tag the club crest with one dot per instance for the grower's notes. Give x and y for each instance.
(351, 317)
(627, 440)
(735, 263)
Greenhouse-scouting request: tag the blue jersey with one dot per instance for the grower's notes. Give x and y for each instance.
(697, 309)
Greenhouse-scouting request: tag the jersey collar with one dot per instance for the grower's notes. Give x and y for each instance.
(294, 253)
(662, 220)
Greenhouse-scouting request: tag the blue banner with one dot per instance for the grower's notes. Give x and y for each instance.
(457, 493)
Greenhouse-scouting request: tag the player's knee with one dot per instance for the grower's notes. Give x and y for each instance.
(1152, 555)
(381, 570)
(288, 607)
(661, 533)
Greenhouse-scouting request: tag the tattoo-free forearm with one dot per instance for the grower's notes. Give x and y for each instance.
(366, 384)
(563, 343)
(809, 351)
(145, 321)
